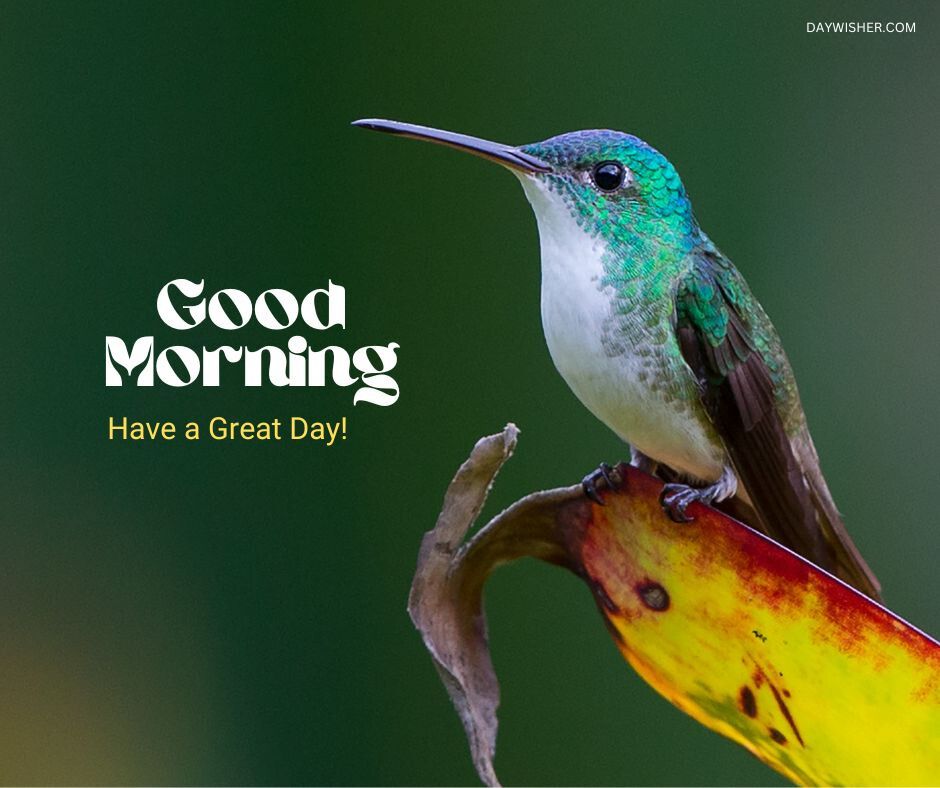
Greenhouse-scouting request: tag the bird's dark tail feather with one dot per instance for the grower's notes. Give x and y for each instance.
(848, 562)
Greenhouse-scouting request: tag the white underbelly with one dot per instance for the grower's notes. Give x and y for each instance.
(617, 379)
(620, 389)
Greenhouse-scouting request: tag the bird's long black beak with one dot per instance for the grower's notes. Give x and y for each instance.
(506, 155)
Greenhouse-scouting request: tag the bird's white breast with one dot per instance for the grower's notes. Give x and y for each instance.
(612, 382)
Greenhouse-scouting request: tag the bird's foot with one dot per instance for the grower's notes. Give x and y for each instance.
(604, 473)
(675, 498)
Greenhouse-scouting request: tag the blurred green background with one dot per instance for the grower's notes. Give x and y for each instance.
(235, 612)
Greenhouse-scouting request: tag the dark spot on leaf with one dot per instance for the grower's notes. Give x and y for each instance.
(786, 693)
(786, 713)
(759, 636)
(777, 736)
(748, 702)
(654, 596)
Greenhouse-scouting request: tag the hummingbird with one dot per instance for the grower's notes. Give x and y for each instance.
(659, 336)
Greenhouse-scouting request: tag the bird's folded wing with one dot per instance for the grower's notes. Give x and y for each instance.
(738, 391)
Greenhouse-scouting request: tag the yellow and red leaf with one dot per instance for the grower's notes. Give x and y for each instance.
(750, 639)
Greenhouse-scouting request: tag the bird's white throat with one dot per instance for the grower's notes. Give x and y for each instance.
(576, 306)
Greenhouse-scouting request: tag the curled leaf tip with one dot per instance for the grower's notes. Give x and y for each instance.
(445, 610)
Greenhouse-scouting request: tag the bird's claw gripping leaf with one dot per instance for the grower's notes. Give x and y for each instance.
(675, 499)
(606, 473)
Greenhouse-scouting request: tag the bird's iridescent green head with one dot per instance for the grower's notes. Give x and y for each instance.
(617, 188)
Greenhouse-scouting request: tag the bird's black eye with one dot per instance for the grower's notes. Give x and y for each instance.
(608, 176)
